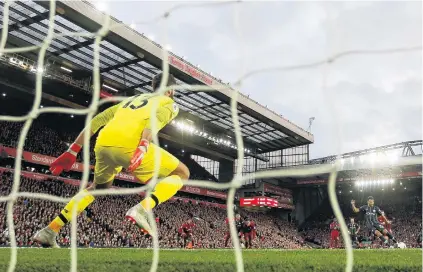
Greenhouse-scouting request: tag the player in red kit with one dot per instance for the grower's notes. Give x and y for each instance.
(185, 232)
(383, 220)
(248, 230)
(238, 225)
(385, 223)
(334, 234)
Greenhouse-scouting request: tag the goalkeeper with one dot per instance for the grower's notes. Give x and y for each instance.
(124, 142)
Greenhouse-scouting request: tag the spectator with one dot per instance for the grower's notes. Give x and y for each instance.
(103, 225)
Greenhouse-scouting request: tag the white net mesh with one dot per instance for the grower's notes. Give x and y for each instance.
(238, 179)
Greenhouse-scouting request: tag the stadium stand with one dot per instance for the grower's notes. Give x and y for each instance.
(101, 225)
(109, 230)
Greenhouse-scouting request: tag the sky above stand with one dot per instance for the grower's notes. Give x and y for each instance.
(359, 101)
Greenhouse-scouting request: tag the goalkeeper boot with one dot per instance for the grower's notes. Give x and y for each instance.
(46, 237)
(138, 216)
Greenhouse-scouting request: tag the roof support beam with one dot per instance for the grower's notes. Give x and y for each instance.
(29, 21)
(41, 17)
(407, 151)
(212, 105)
(120, 65)
(220, 118)
(280, 143)
(72, 48)
(261, 132)
(255, 123)
(145, 83)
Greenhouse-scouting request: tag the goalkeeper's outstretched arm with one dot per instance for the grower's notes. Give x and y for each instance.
(67, 159)
(99, 121)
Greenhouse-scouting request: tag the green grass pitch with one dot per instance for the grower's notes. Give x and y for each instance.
(37, 259)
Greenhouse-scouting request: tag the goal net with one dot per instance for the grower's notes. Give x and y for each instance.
(233, 92)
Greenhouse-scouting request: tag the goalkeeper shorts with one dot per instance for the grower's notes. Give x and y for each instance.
(111, 160)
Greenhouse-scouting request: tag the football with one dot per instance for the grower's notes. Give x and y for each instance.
(401, 245)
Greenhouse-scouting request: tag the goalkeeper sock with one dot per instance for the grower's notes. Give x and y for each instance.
(66, 214)
(163, 191)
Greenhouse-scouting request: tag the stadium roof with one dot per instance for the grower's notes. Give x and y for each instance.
(403, 149)
(129, 60)
(397, 161)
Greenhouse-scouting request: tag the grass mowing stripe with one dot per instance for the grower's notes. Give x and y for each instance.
(35, 259)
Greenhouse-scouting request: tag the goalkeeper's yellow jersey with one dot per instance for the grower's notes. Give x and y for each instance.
(125, 122)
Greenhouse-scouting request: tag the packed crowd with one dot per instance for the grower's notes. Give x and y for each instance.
(100, 227)
(102, 224)
(41, 139)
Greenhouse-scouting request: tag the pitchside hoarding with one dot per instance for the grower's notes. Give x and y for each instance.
(78, 167)
(258, 201)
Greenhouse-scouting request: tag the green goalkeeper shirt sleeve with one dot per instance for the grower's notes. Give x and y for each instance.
(101, 119)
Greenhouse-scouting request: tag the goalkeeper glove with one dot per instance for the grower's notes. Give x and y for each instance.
(66, 160)
(138, 156)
